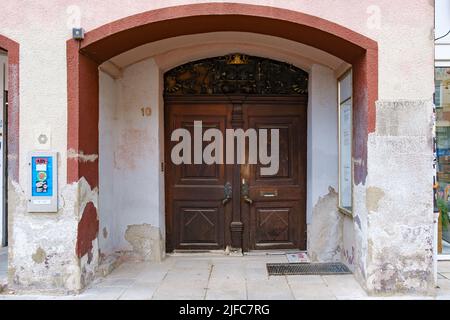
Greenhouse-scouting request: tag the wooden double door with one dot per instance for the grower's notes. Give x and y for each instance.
(210, 207)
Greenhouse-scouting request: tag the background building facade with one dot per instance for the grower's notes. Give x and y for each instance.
(88, 101)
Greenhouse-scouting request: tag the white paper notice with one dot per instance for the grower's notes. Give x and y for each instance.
(41, 167)
(346, 154)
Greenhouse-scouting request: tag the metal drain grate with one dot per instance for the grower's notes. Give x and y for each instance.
(303, 269)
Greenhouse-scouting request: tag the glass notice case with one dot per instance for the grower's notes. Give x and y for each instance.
(345, 143)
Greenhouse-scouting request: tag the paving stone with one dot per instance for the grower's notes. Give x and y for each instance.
(179, 287)
(234, 293)
(192, 264)
(139, 291)
(112, 282)
(444, 275)
(256, 273)
(151, 276)
(271, 289)
(57, 298)
(344, 286)
(225, 278)
(444, 266)
(443, 285)
(102, 293)
(176, 291)
(224, 271)
(306, 279)
(18, 297)
(311, 291)
(191, 275)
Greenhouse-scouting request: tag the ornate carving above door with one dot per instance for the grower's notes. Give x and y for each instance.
(236, 74)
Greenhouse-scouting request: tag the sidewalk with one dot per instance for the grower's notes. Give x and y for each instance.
(227, 278)
(3, 267)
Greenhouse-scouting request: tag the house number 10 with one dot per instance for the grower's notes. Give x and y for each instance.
(146, 112)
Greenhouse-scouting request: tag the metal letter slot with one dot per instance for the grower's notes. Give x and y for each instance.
(269, 194)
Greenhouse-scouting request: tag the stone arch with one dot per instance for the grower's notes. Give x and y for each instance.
(123, 35)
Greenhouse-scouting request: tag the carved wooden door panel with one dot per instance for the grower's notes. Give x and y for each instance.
(197, 214)
(274, 212)
(263, 212)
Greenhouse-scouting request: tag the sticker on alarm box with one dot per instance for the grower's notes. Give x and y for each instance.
(42, 180)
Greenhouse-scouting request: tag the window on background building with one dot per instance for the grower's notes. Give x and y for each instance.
(345, 143)
(442, 102)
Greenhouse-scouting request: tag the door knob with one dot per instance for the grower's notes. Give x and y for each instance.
(228, 192)
(245, 190)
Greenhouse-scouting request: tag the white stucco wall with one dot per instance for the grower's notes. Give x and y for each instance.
(3, 87)
(391, 23)
(107, 134)
(322, 136)
(129, 154)
(42, 28)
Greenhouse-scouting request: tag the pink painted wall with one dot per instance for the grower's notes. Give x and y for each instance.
(404, 64)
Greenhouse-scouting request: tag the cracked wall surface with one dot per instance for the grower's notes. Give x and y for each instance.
(132, 150)
(147, 242)
(43, 247)
(354, 252)
(400, 199)
(87, 248)
(325, 232)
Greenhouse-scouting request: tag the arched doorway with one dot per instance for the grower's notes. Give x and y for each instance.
(230, 203)
(121, 36)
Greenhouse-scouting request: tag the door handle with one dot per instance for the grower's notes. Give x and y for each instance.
(245, 192)
(228, 192)
(248, 200)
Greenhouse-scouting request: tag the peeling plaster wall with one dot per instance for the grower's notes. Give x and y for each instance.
(109, 93)
(399, 199)
(42, 247)
(147, 242)
(45, 89)
(86, 247)
(389, 241)
(322, 136)
(324, 220)
(354, 251)
(130, 160)
(325, 232)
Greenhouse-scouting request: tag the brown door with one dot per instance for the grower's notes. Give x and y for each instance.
(196, 211)
(273, 213)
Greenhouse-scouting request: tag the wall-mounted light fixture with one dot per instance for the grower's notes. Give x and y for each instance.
(78, 34)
